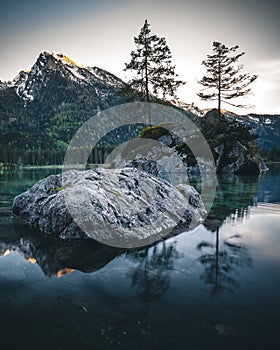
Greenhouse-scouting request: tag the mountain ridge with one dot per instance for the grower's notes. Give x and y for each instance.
(43, 107)
(47, 63)
(267, 126)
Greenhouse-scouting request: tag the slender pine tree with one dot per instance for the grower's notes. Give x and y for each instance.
(224, 80)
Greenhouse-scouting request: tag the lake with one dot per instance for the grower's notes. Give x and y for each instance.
(215, 287)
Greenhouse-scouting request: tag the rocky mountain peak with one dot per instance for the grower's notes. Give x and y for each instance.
(29, 83)
(55, 61)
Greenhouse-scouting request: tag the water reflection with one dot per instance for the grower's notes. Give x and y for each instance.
(58, 257)
(222, 261)
(151, 276)
(234, 196)
(152, 271)
(269, 189)
(157, 297)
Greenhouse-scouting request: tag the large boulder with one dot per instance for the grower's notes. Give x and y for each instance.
(120, 207)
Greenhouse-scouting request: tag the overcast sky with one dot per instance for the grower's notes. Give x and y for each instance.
(100, 33)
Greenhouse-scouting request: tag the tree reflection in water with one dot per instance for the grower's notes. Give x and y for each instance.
(151, 276)
(223, 258)
(153, 265)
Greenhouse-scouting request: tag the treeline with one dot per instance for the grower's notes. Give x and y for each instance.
(9, 156)
(270, 155)
(20, 148)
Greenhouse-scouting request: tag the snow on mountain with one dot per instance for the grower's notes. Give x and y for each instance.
(3, 85)
(266, 126)
(28, 83)
(103, 75)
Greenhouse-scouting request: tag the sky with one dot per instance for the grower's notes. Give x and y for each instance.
(100, 33)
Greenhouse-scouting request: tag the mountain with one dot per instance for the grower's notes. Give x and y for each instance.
(61, 70)
(54, 67)
(57, 84)
(266, 126)
(43, 107)
(197, 111)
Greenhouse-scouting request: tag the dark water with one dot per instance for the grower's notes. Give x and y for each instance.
(217, 287)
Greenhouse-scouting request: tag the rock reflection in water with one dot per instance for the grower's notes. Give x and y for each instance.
(153, 265)
(58, 257)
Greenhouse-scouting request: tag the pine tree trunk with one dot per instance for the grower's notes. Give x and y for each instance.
(147, 85)
(219, 86)
(146, 82)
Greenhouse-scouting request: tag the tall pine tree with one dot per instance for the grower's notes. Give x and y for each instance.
(224, 80)
(151, 62)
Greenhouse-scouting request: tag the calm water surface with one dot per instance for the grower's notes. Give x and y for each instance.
(217, 287)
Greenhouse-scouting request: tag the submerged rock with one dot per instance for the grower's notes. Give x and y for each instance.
(120, 207)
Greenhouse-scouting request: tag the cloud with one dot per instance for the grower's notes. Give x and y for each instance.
(267, 87)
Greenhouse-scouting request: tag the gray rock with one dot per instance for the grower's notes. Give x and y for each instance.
(120, 207)
(161, 153)
(151, 156)
(239, 160)
(164, 156)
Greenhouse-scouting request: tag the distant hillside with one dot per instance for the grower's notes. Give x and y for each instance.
(265, 125)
